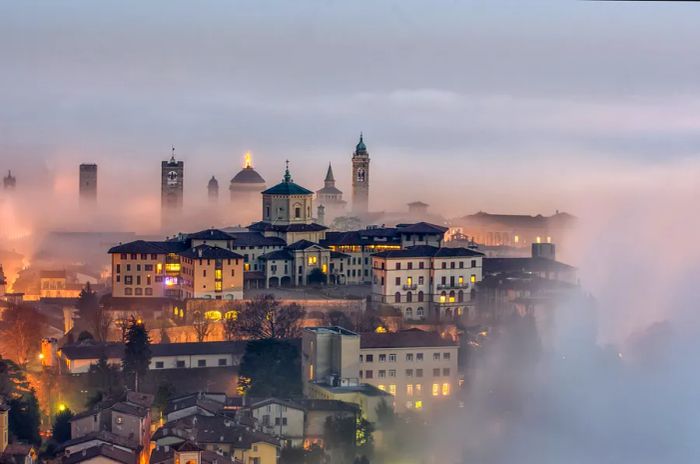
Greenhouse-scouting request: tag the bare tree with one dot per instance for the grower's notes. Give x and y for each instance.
(230, 328)
(265, 317)
(202, 326)
(20, 333)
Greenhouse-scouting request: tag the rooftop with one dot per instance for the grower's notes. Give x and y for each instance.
(411, 338)
(331, 330)
(104, 450)
(114, 350)
(209, 252)
(427, 251)
(248, 175)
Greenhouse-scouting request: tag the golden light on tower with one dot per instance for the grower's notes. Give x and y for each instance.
(248, 163)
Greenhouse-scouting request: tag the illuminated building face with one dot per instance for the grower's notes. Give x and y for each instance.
(170, 281)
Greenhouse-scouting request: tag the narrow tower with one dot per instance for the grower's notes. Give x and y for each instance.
(9, 182)
(213, 190)
(360, 178)
(88, 184)
(171, 187)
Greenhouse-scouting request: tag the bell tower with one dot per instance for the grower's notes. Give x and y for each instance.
(360, 178)
(171, 188)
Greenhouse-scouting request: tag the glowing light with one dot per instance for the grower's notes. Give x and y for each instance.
(248, 163)
(231, 315)
(472, 279)
(445, 389)
(213, 315)
(62, 407)
(170, 281)
(380, 330)
(419, 404)
(41, 355)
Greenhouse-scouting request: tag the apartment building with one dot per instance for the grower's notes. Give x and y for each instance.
(426, 282)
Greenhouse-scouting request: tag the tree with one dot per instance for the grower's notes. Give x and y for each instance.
(265, 317)
(93, 317)
(230, 324)
(317, 276)
(105, 380)
(25, 418)
(137, 352)
(339, 438)
(270, 368)
(340, 319)
(60, 431)
(202, 326)
(20, 333)
(166, 390)
(85, 335)
(368, 321)
(164, 337)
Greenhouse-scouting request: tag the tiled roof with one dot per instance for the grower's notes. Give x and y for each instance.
(115, 350)
(537, 264)
(150, 247)
(209, 252)
(104, 436)
(427, 251)
(130, 409)
(302, 245)
(52, 274)
(255, 239)
(281, 255)
(212, 429)
(105, 450)
(209, 234)
(404, 339)
(287, 188)
(421, 228)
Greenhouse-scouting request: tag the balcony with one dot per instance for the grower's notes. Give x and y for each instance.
(455, 286)
(410, 287)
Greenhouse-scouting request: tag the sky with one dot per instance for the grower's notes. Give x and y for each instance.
(507, 106)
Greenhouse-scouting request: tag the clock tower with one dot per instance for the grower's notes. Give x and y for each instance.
(171, 187)
(360, 178)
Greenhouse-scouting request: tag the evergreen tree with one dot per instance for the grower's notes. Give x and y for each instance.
(25, 418)
(61, 426)
(105, 380)
(137, 352)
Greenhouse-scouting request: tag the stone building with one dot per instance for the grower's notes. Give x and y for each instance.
(88, 184)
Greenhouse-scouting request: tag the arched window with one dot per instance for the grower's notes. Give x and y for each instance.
(409, 297)
(460, 296)
(420, 312)
(443, 297)
(452, 296)
(360, 175)
(397, 297)
(409, 313)
(420, 296)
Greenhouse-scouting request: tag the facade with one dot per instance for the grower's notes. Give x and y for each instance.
(171, 187)
(330, 370)
(4, 427)
(418, 368)
(330, 198)
(427, 282)
(55, 284)
(213, 190)
(212, 272)
(9, 182)
(88, 183)
(77, 359)
(360, 178)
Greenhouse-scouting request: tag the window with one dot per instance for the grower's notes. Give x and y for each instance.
(128, 267)
(445, 356)
(472, 279)
(132, 256)
(446, 371)
(392, 372)
(419, 389)
(382, 358)
(443, 297)
(361, 357)
(461, 264)
(201, 363)
(397, 297)
(419, 356)
(138, 268)
(452, 265)
(369, 374)
(420, 312)
(222, 361)
(119, 268)
(159, 364)
(409, 356)
(392, 389)
(312, 260)
(381, 374)
(398, 266)
(297, 212)
(409, 372)
(369, 358)
(409, 390)
(381, 387)
(128, 280)
(149, 292)
(409, 297)
(128, 291)
(123, 256)
(398, 281)
(138, 291)
(392, 358)
(421, 265)
(436, 356)
(474, 261)
(419, 372)
(444, 264)
(445, 389)
(180, 364)
(436, 389)
(421, 280)
(419, 404)
(436, 372)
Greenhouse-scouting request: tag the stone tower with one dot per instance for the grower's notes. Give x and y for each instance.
(9, 182)
(171, 187)
(213, 190)
(360, 178)
(88, 183)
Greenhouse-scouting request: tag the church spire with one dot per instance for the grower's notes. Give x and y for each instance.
(329, 174)
(287, 175)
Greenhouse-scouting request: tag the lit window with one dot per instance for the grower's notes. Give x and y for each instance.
(419, 404)
(324, 268)
(218, 274)
(549, 239)
(246, 267)
(392, 389)
(312, 260)
(517, 239)
(218, 286)
(382, 387)
(472, 279)
(443, 298)
(460, 280)
(409, 281)
(445, 389)
(436, 389)
(539, 239)
(159, 268)
(409, 390)
(419, 389)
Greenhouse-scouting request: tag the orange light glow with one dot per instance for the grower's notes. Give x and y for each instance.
(248, 163)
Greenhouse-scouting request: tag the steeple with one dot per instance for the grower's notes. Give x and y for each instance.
(360, 147)
(172, 156)
(287, 175)
(330, 180)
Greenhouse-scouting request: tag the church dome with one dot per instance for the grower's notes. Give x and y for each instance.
(360, 145)
(247, 175)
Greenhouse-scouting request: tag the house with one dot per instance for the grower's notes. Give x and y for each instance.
(19, 453)
(101, 454)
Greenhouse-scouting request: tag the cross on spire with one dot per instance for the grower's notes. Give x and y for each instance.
(287, 175)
